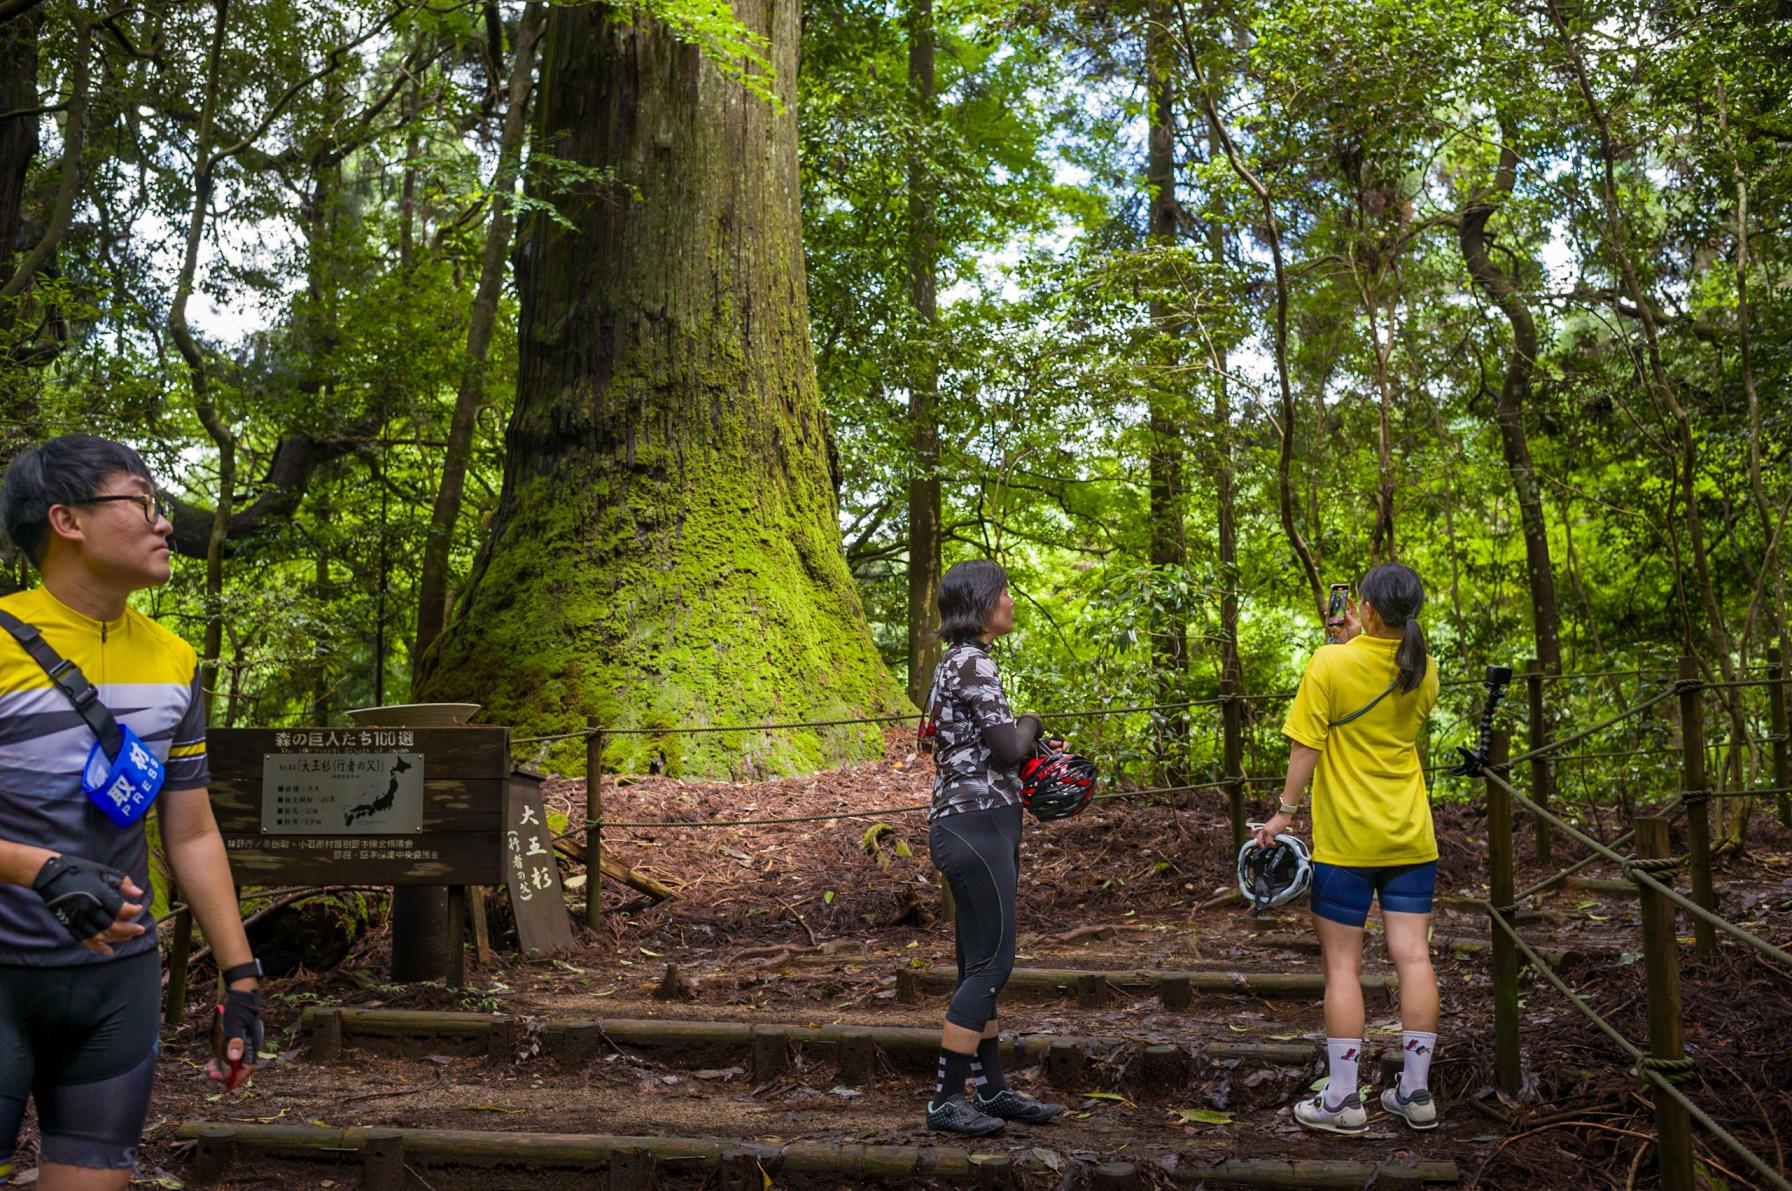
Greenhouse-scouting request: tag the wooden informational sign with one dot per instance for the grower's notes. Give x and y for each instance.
(341, 793)
(530, 872)
(362, 806)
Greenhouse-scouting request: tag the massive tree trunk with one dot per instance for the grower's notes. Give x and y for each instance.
(666, 548)
(924, 381)
(1169, 548)
(1515, 386)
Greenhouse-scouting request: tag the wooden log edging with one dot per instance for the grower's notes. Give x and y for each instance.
(221, 1144)
(1468, 945)
(579, 1151)
(1077, 982)
(853, 1046)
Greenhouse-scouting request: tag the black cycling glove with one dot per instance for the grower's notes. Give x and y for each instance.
(238, 1017)
(84, 896)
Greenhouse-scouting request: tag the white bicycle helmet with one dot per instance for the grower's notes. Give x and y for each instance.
(1274, 876)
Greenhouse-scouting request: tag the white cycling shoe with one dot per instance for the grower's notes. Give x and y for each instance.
(1418, 1109)
(1348, 1118)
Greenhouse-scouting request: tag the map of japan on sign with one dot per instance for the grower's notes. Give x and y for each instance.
(341, 793)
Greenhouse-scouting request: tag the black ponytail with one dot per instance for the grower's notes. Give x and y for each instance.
(1397, 594)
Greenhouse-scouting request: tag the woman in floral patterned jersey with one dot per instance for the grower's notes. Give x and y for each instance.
(975, 842)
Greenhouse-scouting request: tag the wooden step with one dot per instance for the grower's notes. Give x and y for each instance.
(632, 1163)
(1173, 988)
(769, 1044)
(1445, 944)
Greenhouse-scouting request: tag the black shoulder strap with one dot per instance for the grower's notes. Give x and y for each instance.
(68, 677)
(1367, 707)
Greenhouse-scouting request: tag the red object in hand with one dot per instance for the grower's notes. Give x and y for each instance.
(227, 1071)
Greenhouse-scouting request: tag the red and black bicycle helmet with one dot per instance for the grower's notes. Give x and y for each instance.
(1054, 784)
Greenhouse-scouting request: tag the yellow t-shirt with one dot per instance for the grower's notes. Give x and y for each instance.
(1370, 806)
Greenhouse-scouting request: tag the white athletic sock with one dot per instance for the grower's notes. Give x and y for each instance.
(1415, 1050)
(1341, 1055)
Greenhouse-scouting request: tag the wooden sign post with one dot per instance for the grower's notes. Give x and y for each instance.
(530, 872)
(366, 806)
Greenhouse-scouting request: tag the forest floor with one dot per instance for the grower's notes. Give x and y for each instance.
(799, 924)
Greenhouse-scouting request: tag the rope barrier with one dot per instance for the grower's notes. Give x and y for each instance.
(1096, 712)
(1740, 683)
(1554, 745)
(1588, 675)
(1663, 1073)
(1216, 787)
(1630, 1049)
(887, 810)
(1548, 883)
(1678, 1070)
(680, 730)
(708, 728)
(1617, 755)
(1640, 864)
(1642, 878)
(1698, 1114)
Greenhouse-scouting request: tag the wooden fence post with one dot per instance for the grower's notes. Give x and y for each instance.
(1661, 969)
(1232, 755)
(594, 830)
(1542, 766)
(1508, 1070)
(1695, 792)
(179, 948)
(1776, 712)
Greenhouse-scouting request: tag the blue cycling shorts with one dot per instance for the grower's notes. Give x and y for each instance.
(1342, 894)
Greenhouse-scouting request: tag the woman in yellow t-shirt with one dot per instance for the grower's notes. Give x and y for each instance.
(1353, 730)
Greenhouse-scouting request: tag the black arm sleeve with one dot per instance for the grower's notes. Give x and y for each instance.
(1011, 743)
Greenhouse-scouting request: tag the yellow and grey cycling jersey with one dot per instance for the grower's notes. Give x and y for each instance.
(149, 678)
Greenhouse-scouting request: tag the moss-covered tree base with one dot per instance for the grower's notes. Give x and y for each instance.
(666, 550)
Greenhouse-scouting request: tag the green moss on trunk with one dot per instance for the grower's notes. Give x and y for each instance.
(666, 549)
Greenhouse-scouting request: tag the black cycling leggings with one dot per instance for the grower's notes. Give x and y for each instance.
(979, 851)
(82, 1041)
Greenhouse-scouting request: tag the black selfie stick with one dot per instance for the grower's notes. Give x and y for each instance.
(1475, 760)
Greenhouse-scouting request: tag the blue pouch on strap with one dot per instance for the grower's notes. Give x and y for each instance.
(123, 786)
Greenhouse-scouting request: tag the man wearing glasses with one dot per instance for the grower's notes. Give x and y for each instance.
(80, 974)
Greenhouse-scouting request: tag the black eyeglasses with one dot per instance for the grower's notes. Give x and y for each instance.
(151, 503)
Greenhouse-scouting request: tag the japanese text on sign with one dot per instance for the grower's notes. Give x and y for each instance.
(341, 793)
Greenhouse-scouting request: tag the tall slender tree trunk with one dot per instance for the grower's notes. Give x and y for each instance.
(924, 380)
(1773, 576)
(432, 586)
(198, 368)
(1297, 541)
(68, 187)
(18, 134)
(1225, 492)
(666, 549)
(18, 149)
(1169, 547)
(1382, 547)
(1515, 387)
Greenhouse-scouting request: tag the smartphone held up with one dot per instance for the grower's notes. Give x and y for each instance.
(1336, 606)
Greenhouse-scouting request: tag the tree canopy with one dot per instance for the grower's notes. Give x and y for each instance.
(1497, 290)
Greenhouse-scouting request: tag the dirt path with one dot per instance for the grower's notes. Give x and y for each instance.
(808, 924)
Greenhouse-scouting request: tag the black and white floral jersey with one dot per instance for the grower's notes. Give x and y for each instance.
(967, 700)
